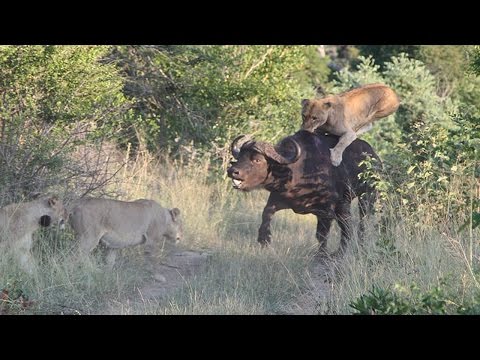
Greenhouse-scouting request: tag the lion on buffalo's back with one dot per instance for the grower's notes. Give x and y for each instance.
(348, 114)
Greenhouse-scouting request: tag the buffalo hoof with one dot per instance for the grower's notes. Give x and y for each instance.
(264, 243)
(322, 255)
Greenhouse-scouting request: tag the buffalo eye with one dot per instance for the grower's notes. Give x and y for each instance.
(256, 159)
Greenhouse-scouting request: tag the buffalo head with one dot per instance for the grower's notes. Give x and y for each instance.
(255, 158)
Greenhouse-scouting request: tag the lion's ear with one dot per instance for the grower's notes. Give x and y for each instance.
(327, 105)
(36, 195)
(305, 102)
(52, 201)
(175, 213)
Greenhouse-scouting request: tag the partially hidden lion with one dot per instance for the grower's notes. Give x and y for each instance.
(119, 224)
(348, 114)
(19, 221)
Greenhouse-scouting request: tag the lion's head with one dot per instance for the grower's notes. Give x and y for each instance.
(316, 112)
(53, 211)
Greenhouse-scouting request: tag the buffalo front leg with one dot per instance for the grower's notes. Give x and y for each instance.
(337, 152)
(264, 234)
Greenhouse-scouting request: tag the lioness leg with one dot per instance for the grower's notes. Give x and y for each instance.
(364, 129)
(87, 242)
(110, 257)
(345, 140)
(24, 254)
(153, 246)
(26, 260)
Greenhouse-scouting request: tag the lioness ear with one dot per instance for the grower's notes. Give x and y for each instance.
(45, 220)
(327, 105)
(305, 102)
(36, 195)
(52, 201)
(175, 213)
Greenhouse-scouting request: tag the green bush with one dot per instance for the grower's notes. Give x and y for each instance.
(411, 300)
(426, 145)
(52, 98)
(203, 96)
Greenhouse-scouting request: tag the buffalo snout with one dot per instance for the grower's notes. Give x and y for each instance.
(233, 172)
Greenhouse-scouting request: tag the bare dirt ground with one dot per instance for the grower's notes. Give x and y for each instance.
(172, 273)
(178, 267)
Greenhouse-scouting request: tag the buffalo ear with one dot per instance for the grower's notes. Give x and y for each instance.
(305, 102)
(45, 220)
(175, 213)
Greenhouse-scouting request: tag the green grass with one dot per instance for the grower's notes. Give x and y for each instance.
(240, 277)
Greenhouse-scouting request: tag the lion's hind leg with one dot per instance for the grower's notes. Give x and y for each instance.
(364, 129)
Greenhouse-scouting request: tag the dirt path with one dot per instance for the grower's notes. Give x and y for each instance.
(172, 273)
(176, 269)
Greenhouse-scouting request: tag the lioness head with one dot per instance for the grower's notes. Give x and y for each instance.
(53, 212)
(316, 112)
(174, 230)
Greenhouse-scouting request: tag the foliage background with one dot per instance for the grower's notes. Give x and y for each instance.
(73, 117)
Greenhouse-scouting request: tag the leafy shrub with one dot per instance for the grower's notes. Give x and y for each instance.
(412, 301)
(203, 96)
(53, 98)
(426, 145)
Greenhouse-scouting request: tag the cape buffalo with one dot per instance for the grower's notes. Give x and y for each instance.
(300, 176)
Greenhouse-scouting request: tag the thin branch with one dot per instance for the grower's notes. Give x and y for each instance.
(262, 60)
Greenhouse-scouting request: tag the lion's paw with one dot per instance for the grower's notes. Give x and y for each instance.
(335, 157)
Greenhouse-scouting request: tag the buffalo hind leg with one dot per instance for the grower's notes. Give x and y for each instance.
(344, 220)
(323, 228)
(366, 206)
